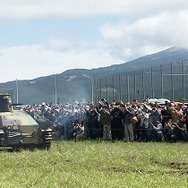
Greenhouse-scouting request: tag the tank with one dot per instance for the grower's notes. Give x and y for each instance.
(20, 130)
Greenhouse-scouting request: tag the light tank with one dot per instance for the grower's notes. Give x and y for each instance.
(20, 130)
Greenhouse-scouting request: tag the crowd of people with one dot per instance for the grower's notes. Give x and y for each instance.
(117, 120)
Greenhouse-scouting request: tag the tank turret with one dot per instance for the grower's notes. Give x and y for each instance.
(5, 103)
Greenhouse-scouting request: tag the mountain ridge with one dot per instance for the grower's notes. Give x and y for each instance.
(76, 83)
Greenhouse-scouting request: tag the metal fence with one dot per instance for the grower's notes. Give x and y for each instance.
(164, 81)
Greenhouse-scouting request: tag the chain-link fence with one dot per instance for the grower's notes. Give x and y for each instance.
(164, 81)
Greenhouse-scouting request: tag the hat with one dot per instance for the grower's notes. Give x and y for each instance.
(180, 106)
(43, 103)
(75, 110)
(157, 121)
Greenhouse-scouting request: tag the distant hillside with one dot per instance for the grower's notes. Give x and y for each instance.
(170, 55)
(76, 83)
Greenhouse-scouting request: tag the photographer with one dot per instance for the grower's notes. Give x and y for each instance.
(168, 132)
(105, 120)
(156, 134)
(180, 131)
(144, 124)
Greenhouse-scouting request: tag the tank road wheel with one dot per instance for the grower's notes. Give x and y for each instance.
(15, 149)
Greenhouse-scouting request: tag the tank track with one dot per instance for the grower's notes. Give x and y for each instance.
(47, 138)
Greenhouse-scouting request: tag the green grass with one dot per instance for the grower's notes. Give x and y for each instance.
(97, 164)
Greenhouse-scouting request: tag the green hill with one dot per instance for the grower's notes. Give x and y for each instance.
(109, 82)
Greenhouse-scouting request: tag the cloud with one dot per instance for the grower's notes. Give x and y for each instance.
(29, 62)
(145, 27)
(146, 35)
(40, 9)
(119, 43)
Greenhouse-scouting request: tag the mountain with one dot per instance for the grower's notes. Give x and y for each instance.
(170, 55)
(110, 82)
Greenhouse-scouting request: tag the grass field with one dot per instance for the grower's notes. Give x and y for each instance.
(97, 164)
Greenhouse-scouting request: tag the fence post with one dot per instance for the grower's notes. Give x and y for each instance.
(91, 83)
(106, 84)
(100, 94)
(172, 83)
(183, 82)
(134, 85)
(161, 81)
(120, 87)
(113, 87)
(97, 92)
(143, 84)
(55, 90)
(128, 95)
(152, 91)
(17, 92)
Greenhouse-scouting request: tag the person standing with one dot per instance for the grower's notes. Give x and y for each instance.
(128, 126)
(117, 127)
(93, 123)
(105, 120)
(144, 125)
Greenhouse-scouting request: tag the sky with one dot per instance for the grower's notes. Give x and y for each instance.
(44, 37)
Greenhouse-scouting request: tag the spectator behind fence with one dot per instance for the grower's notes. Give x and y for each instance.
(105, 120)
(94, 128)
(128, 113)
(156, 134)
(117, 127)
(96, 120)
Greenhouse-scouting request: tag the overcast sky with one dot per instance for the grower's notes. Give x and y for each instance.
(44, 37)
